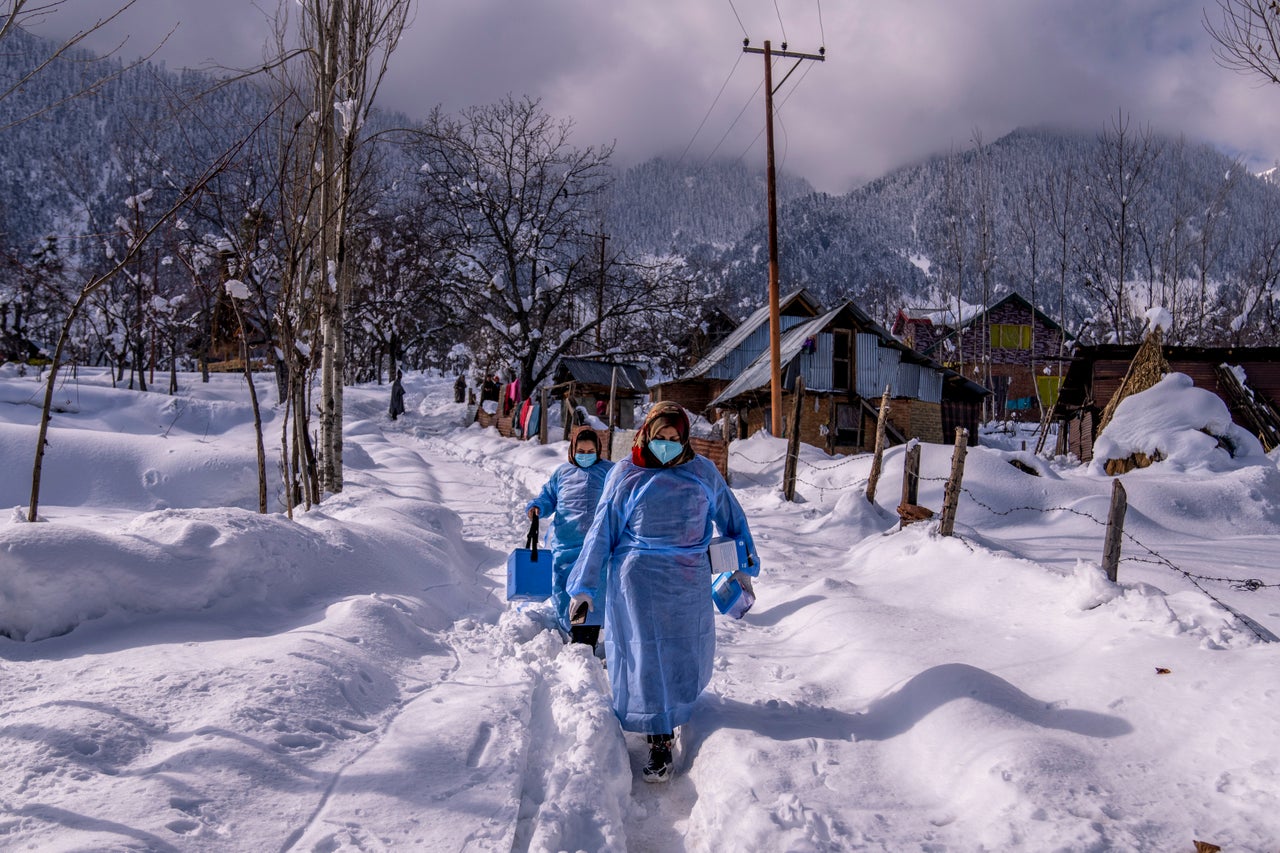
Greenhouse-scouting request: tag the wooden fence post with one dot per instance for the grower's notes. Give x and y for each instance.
(881, 422)
(1115, 531)
(951, 496)
(793, 443)
(911, 475)
(909, 510)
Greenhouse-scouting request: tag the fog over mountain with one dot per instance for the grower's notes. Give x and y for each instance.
(1034, 211)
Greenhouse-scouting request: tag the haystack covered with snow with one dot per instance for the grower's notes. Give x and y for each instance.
(1173, 422)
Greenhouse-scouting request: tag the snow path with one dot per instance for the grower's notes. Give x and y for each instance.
(505, 734)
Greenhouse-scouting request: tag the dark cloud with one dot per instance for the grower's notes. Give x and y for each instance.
(902, 80)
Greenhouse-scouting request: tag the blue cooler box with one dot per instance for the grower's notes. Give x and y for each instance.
(529, 575)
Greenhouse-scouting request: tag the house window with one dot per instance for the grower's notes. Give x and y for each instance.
(848, 425)
(1010, 336)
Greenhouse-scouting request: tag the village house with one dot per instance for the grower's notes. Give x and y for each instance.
(1022, 346)
(591, 383)
(847, 360)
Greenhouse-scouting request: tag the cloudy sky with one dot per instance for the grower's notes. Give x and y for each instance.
(902, 79)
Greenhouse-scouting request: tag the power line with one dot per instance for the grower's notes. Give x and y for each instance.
(778, 112)
(821, 30)
(736, 15)
(715, 101)
(780, 24)
(734, 123)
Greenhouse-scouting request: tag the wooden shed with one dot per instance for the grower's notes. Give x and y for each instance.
(590, 382)
(1096, 373)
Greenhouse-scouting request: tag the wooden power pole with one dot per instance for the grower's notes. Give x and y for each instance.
(775, 319)
(600, 288)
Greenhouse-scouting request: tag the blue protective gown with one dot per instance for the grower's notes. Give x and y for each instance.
(570, 498)
(646, 553)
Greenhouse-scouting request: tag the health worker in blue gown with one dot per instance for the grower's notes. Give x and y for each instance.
(570, 496)
(645, 559)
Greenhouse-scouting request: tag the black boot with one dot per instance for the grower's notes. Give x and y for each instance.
(585, 634)
(658, 769)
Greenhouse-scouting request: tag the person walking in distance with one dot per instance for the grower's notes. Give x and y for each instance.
(397, 397)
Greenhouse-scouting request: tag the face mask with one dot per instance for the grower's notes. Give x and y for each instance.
(585, 460)
(665, 450)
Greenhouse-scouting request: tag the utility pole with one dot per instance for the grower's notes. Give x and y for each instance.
(775, 318)
(600, 295)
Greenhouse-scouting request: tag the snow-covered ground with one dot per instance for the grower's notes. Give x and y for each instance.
(181, 673)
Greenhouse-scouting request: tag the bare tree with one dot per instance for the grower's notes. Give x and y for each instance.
(20, 14)
(345, 46)
(955, 240)
(1062, 205)
(514, 201)
(1247, 39)
(1119, 179)
(1210, 243)
(137, 240)
(985, 256)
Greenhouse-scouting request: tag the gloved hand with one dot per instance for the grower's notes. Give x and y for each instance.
(532, 513)
(745, 580)
(579, 606)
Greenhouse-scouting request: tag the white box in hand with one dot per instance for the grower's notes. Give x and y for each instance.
(727, 554)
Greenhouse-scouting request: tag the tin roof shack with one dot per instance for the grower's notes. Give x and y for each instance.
(847, 360)
(699, 385)
(588, 382)
(1097, 372)
(1020, 342)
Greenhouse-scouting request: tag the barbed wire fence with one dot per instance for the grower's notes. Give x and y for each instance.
(1149, 556)
(1156, 558)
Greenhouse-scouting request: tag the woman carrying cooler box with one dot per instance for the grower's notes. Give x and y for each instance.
(571, 496)
(646, 554)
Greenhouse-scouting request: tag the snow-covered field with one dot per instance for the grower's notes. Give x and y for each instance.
(181, 673)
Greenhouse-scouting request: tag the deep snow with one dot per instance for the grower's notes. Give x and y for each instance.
(182, 673)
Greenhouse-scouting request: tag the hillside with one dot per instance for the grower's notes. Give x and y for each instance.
(1036, 211)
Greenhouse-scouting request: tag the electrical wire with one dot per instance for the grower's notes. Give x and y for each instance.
(821, 29)
(777, 111)
(749, 102)
(739, 17)
(780, 24)
(715, 101)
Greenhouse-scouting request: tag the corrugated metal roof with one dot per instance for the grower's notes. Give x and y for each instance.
(760, 317)
(761, 371)
(601, 373)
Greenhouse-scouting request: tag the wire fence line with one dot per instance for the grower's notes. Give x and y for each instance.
(1156, 558)
(1247, 584)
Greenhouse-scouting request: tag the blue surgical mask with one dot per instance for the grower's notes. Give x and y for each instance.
(665, 450)
(585, 460)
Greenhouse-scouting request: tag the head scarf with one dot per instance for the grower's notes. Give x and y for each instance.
(661, 415)
(583, 432)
